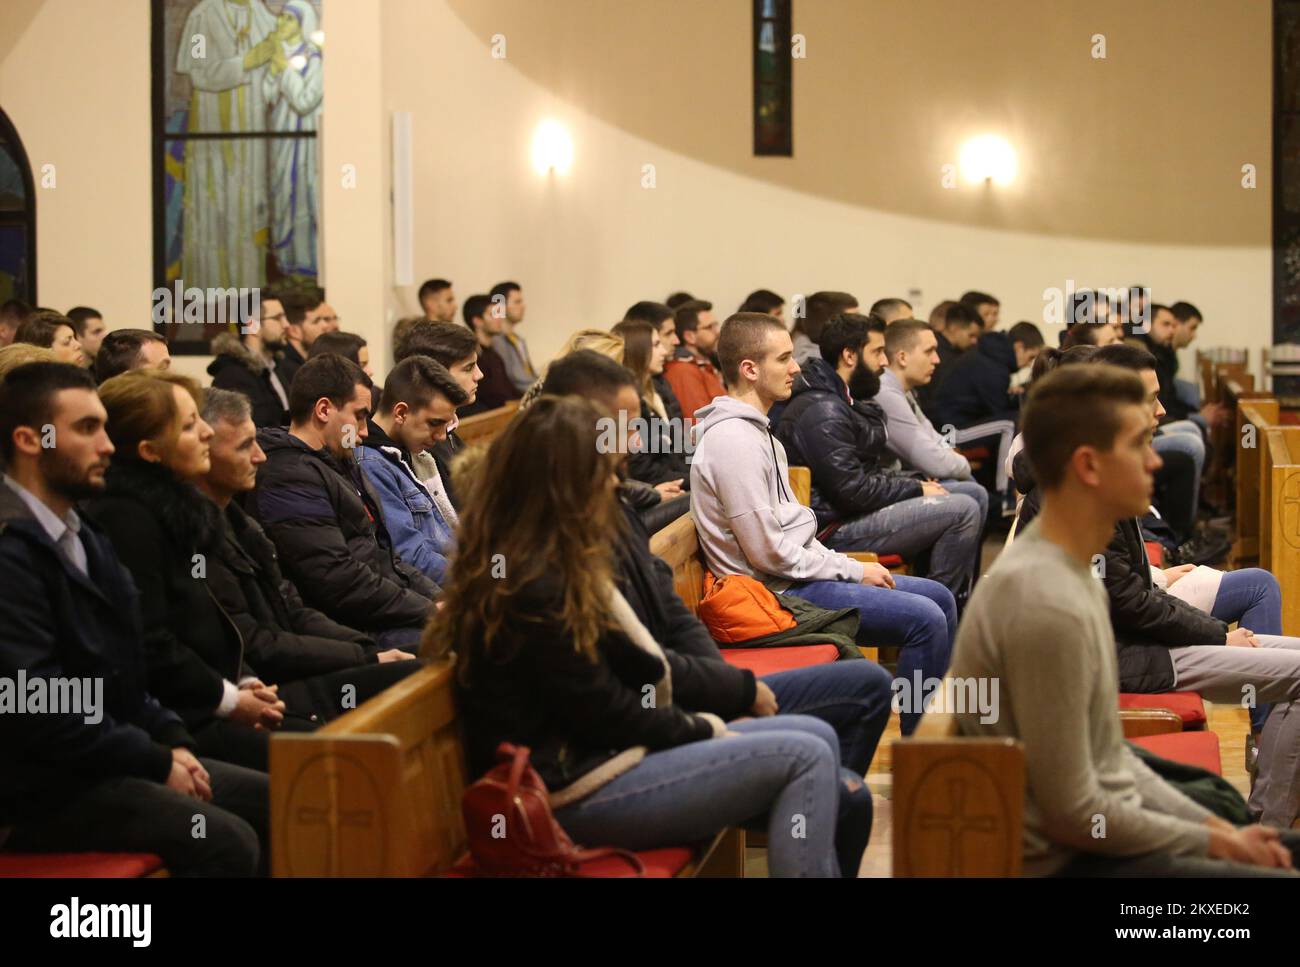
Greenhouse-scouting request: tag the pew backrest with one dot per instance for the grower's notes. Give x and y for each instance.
(482, 428)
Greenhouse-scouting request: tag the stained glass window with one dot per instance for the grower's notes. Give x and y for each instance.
(238, 88)
(17, 219)
(773, 126)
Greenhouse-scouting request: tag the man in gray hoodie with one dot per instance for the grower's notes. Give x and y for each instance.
(750, 523)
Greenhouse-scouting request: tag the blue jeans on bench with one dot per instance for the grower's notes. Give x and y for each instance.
(784, 767)
(1251, 597)
(917, 614)
(853, 697)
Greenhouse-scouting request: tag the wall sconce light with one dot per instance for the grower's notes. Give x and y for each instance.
(988, 158)
(552, 148)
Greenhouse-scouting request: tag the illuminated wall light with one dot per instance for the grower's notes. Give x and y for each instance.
(988, 158)
(552, 148)
(318, 38)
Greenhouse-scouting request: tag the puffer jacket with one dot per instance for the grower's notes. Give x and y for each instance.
(843, 443)
(976, 387)
(237, 368)
(327, 525)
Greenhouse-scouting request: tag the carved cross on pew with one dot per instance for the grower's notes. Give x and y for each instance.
(334, 818)
(957, 822)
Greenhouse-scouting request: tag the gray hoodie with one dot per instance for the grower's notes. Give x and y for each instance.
(748, 520)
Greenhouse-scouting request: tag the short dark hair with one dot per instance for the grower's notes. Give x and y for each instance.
(1051, 358)
(27, 397)
(902, 335)
(446, 342)
(1125, 356)
(882, 307)
(1071, 407)
(327, 376)
(960, 314)
(432, 287)
(39, 328)
(821, 306)
(120, 351)
(974, 298)
(848, 330)
(503, 289)
(744, 336)
(677, 299)
(14, 311)
(761, 300)
(1184, 311)
(475, 307)
(1025, 333)
(1157, 307)
(588, 374)
(652, 312)
(346, 344)
(686, 317)
(80, 315)
(413, 381)
(296, 306)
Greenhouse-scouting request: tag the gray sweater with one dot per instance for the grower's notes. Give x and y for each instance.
(747, 519)
(1039, 623)
(913, 438)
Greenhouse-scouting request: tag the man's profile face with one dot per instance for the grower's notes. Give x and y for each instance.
(1127, 470)
(1163, 327)
(1025, 355)
(420, 429)
(920, 361)
(963, 337)
(314, 324)
(873, 353)
(235, 456)
(441, 306)
(1152, 383)
(272, 324)
(706, 332)
(345, 426)
(74, 467)
(467, 375)
(668, 333)
(92, 334)
(515, 306)
(989, 313)
(1185, 332)
(777, 369)
(154, 355)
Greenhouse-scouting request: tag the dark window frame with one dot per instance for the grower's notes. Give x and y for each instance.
(27, 218)
(782, 29)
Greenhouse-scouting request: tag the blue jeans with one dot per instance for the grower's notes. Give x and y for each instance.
(975, 491)
(1252, 598)
(1183, 437)
(949, 527)
(918, 614)
(852, 697)
(784, 766)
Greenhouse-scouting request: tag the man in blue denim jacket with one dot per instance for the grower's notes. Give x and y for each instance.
(419, 402)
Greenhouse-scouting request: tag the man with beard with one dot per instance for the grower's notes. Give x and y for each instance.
(833, 426)
(111, 769)
(246, 364)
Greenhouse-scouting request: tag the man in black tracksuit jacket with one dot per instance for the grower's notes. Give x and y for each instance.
(977, 388)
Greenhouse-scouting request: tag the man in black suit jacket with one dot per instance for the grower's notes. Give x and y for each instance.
(110, 769)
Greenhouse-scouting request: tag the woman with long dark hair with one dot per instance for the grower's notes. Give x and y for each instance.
(551, 656)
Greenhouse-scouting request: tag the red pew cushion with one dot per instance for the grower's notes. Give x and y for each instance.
(1187, 705)
(117, 865)
(1190, 748)
(891, 560)
(768, 661)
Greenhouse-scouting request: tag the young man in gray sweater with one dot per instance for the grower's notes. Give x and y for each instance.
(1039, 624)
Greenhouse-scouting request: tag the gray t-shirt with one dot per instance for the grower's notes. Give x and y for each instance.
(1039, 622)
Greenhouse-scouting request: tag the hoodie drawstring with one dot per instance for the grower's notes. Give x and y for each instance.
(779, 482)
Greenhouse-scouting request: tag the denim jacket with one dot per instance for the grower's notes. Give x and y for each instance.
(420, 534)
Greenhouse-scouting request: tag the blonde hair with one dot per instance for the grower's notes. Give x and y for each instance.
(22, 353)
(142, 406)
(597, 340)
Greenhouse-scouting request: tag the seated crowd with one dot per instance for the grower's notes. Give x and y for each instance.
(271, 551)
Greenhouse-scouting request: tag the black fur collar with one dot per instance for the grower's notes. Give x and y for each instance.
(188, 516)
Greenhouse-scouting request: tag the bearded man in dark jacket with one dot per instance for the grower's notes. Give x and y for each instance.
(861, 503)
(326, 523)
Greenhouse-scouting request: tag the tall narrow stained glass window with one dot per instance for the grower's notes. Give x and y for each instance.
(773, 99)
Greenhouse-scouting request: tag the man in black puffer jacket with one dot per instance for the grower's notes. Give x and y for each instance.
(861, 504)
(977, 389)
(326, 523)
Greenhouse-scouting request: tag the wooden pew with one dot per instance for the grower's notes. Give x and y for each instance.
(1254, 417)
(482, 428)
(801, 488)
(377, 793)
(1279, 539)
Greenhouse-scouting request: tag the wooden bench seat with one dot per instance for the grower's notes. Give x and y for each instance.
(482, 428)
(377, 793)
